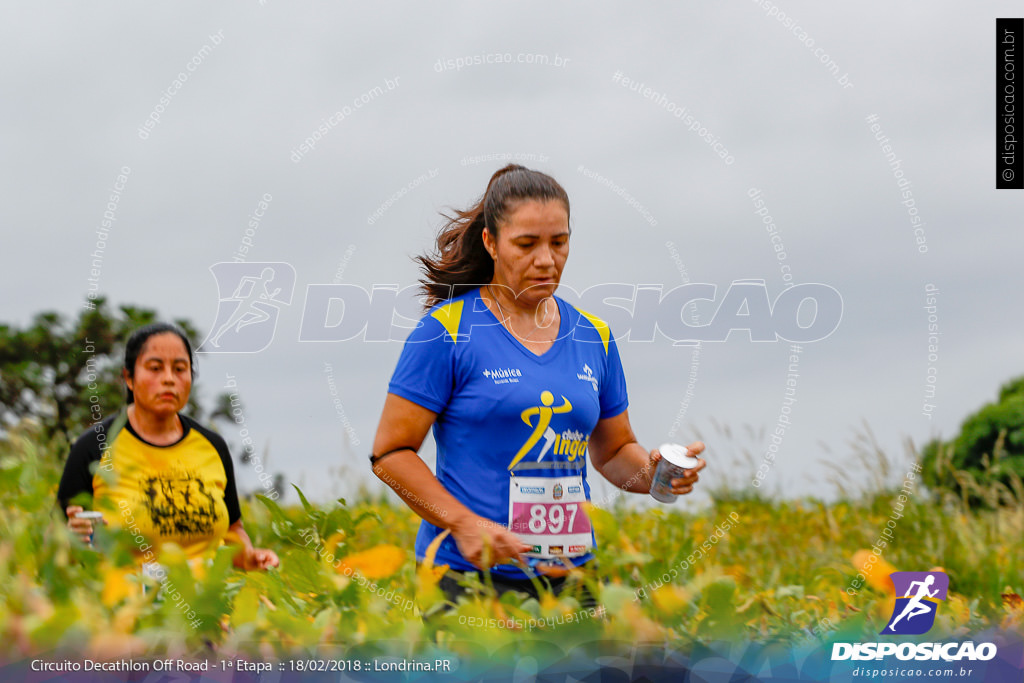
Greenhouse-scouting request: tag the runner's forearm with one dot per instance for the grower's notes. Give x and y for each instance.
(407, 474)
(237, 535)
(630, 469)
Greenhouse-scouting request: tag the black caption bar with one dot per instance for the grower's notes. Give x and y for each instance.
(1009, 154)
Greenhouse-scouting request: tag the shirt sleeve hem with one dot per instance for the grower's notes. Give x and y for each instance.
(419, 399)
(615, 410)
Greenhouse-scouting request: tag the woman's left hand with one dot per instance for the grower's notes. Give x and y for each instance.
(684, 484)
(249, 558)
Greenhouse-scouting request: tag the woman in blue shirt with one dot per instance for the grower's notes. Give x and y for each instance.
(519, 387)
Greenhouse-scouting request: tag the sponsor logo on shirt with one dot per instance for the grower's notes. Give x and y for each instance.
(544, 412)
(587, 376)
(503, 375)
(569, 443)
(572, 444)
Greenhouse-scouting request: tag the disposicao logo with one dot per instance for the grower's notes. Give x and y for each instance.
(914, 612)
(251, 296)
(918, 595)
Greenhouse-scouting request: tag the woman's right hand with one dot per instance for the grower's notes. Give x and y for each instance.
(485, 543)
(80, 527)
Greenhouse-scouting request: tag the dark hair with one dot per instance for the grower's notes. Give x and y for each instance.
(461, 262)
(137, 341)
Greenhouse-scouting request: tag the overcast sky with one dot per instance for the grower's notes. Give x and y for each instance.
(262, 77)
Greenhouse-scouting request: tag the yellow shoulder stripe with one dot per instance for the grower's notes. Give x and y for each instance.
(601, 326)
(449, 315)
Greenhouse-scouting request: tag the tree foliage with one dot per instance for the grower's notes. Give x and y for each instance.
(66, 374)
(984, 463)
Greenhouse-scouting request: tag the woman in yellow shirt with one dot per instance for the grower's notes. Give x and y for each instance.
(156, 471)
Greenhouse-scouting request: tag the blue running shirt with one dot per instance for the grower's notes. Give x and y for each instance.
(500, 406)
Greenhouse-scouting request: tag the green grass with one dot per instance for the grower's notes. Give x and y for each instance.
(779, 572)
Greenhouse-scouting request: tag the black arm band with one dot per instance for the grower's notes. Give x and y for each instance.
(374, 459)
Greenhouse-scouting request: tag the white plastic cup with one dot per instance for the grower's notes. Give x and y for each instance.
(675, 460)
(90, 515)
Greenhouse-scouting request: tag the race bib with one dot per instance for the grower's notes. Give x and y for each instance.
(547, 513)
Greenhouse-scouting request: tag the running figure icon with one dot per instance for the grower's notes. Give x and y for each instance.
(248, 313)
(544, 412)
(914, 606)
(250, 299)
(918, 595)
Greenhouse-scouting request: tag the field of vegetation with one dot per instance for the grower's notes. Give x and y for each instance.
(746, 569)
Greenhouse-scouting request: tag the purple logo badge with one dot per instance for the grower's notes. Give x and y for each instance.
(917, 599)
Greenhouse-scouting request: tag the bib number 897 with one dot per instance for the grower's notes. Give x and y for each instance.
(551, 518)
